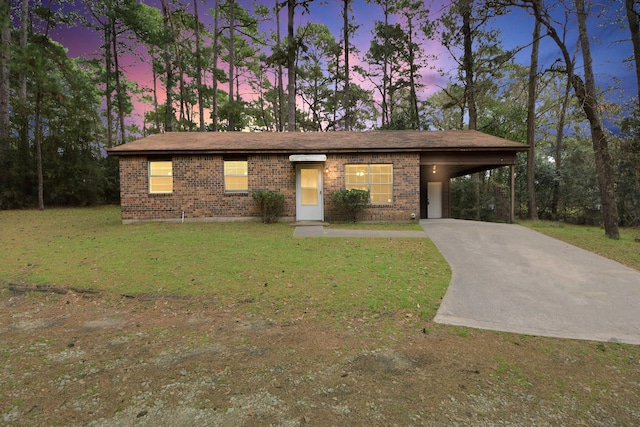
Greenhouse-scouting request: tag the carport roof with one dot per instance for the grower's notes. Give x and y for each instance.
(314, 142)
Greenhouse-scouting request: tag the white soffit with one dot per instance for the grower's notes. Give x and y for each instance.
(308, 158)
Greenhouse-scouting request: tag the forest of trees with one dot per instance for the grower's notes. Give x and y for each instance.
(222, 65)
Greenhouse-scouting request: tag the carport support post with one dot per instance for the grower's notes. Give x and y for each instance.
(512, 213)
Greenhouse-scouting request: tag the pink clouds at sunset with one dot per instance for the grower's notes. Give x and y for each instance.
(609, 53)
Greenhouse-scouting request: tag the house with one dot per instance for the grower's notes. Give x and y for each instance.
(210, 176)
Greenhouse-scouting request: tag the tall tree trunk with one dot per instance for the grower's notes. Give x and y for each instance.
(467, 63)
(23, 119)
(587, 95)
(24, 35)
(188, 114)
(531, 122)
(119, 94)
(392, 101)
(385, 71)
(291, 67)
(5, 55)
(5, 118)
(470, 92)
(634, 28)
(169, 117)
(415, 119)
(38, 143)
(558, 151)
(347, 83)
(155, 93)
(232, 43)
(261, 99)
(199, 67)
(108, 91)
(280, 110)
(214, 83)
(237, 89)
(183, 115)
(335, 93)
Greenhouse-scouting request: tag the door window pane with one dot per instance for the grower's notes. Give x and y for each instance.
(309, 187)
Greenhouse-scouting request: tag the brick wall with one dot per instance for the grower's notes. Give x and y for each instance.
(198, 187)
(406, 185)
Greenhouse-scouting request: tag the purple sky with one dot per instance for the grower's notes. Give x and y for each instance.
(610, 43)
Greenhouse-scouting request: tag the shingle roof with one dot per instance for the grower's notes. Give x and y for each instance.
(315, 142)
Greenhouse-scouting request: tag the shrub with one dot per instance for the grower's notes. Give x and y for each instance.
(350, 202)
(270, 203)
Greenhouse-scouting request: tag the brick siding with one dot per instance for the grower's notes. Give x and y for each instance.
(406, 185)
(198, 187)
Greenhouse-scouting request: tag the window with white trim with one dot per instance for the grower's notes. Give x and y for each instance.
(160, 176)
(376, 178)
(236, 176)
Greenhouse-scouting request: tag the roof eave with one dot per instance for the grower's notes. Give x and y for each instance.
(120, 153)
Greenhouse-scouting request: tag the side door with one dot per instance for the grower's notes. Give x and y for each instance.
(434, 191)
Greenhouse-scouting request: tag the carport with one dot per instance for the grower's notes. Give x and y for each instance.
(438, 167)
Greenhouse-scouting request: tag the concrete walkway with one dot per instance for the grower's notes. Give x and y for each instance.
(317, 230)
(513, 279)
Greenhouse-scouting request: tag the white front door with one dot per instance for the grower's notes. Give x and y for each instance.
(309, 206)
(434, 194)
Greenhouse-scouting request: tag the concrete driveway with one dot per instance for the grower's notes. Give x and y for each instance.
(513, 279)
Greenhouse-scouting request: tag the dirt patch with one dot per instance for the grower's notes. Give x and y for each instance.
(98, 360)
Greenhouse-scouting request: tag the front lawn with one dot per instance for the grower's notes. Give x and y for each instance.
(89, 248)
(243, 324)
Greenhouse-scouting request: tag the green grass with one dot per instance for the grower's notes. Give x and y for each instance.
(626, 250)
(231, 263)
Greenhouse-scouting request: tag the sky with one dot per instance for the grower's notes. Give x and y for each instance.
(610, 43)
